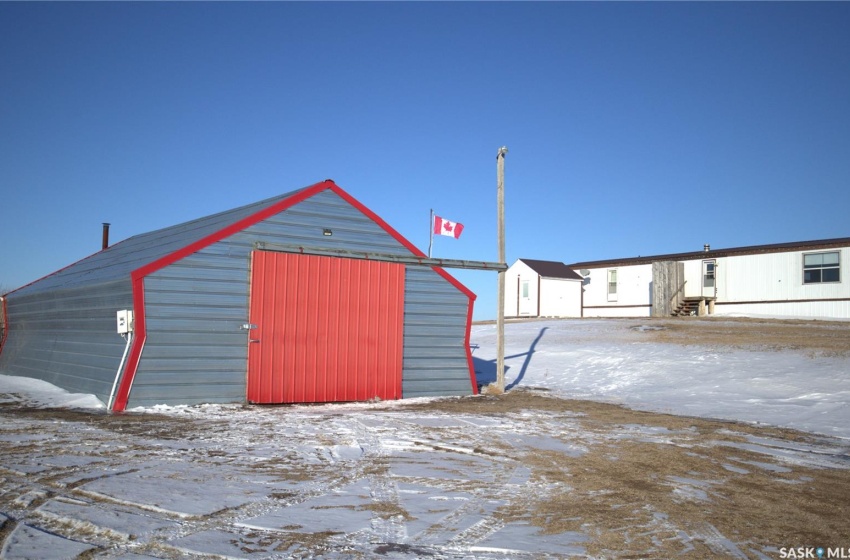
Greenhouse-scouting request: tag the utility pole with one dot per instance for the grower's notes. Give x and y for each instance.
(500, 316)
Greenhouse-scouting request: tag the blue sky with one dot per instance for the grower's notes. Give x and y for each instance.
(633, 128)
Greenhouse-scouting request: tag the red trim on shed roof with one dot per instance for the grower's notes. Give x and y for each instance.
(232, 229)
(139, 338)
(398, 237)
(469, 360)
(5, 325)
(138, 276)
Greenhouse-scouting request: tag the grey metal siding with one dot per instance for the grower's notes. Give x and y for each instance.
(195, 351)
(435, 315)
(62, 327)
(67, 337)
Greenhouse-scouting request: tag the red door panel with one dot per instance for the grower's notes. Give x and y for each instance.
(328, 329)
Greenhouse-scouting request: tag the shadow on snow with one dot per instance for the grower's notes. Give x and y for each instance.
(485, 370)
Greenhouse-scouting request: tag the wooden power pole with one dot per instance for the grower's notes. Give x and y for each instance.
(500, 316)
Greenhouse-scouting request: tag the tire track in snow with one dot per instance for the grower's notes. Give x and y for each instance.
(446, 533)
(237, 520)
(390, 527)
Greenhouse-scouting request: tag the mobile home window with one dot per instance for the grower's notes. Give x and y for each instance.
(821, 267)
(612, 282)
(708, 274)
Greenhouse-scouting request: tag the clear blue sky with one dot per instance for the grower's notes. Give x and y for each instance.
(633, 128)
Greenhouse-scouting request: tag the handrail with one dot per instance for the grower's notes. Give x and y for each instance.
(682, 287)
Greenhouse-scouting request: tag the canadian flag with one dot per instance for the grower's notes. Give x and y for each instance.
(444, 227)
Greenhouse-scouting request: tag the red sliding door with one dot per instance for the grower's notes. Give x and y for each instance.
(327, 329)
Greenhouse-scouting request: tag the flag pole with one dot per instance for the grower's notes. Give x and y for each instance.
(431, 233)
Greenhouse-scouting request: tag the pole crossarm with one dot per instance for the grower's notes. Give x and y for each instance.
(384, 257)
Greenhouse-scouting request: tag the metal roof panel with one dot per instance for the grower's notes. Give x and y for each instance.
(551, 269)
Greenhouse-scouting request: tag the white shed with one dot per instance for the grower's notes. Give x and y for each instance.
(536, 288)
(808, 279)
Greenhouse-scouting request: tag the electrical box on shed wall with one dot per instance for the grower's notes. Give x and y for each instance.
(125, 321)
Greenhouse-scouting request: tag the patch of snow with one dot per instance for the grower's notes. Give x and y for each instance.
(808, 455)
(173, 489)
(605, 360)
(718, 543)
(38, 393)
(131, 525)
(26, 543)
(762, 465)
(321, 514)
(690, 488)
(521, 538)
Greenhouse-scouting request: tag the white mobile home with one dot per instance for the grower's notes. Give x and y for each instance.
(536, 288)
(801, 279)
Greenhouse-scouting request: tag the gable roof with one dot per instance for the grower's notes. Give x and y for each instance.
(119, 260)
(551, 269)
(716, 253)
(143, 254)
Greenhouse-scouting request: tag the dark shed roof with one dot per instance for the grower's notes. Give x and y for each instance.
(551, 269)
(716, 253)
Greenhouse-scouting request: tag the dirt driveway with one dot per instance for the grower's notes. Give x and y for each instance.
(522, 475)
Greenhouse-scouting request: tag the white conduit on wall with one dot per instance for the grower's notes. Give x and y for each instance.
(118, 373)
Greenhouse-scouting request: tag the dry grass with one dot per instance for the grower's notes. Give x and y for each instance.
(700, 491)
(627, 494)
(813, 337)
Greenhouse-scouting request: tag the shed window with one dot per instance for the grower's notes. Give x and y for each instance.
(821, 267)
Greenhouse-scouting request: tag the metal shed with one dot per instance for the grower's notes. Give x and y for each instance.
(228, 308)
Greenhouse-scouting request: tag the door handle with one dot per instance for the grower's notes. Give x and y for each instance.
(253, 340)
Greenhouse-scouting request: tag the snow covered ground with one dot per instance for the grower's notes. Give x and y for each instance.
(618, 361)
(540, 478)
